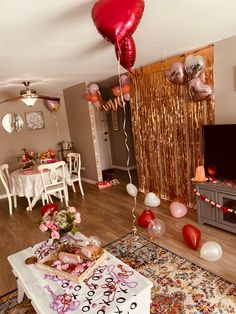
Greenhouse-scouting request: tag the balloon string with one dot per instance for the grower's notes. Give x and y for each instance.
(134, 230)
(57, 128)
(124, 125)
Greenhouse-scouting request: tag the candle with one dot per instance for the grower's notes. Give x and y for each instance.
(200, 174)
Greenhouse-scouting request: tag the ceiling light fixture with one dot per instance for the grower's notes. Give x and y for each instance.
(29, 96)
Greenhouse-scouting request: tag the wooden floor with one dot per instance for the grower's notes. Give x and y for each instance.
(107, 213)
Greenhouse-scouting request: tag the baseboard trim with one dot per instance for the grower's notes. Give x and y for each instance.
(123, 168)
(88, 180)
(3, 196)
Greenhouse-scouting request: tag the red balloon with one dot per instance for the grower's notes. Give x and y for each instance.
(126, 89)
(192, 236)
(88, 96)
(48, 207)
(116, 20)
(116, 91)
(146, 216)
(127, 53)
(94, 98)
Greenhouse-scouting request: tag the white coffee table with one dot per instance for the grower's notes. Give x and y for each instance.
(112, 288)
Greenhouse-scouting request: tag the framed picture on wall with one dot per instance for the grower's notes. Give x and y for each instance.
(115, 121)
(34, 120)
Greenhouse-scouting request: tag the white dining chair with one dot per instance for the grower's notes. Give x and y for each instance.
(5, 179)
(74, 169)
(54, 182)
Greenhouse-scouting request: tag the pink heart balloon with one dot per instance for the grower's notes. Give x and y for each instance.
(53, 105)
(127, 53)
(176, 74)
(116, 20)
(178, 210)
(198, 90)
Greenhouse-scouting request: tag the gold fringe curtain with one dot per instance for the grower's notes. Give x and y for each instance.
(167, 127)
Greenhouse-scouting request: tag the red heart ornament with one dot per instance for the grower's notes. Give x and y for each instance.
(192, 236)
(48, 207)
(198, 90)
(146, 216)
(127, 53)
(116, 20)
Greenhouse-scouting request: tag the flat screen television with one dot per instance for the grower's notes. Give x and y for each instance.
(220, 151)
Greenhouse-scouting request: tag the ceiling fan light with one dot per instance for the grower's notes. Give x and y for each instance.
(29, 101)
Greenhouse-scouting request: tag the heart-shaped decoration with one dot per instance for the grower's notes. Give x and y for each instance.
(146, 216)
(194, 65)
(178, 210)
(192, 236)
(116, 20)
(198, 90)
(177, 74)
(127, 53)
(152, 200)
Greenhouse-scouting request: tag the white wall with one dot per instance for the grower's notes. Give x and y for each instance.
(225, 81)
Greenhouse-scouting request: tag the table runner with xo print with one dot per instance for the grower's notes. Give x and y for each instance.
(110, 288)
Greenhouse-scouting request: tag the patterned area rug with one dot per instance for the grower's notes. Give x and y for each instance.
(179, 285)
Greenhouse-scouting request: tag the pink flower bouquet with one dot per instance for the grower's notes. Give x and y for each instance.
(60, 222)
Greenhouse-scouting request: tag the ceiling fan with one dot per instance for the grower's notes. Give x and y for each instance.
(29, 96)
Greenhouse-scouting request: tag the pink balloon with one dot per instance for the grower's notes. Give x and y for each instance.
(198, 90)
(116, 20)
(93, 88)
(178, 210)
(124, 80)
(127, 53)
(127, 96)
(53, 105)
(176, 74)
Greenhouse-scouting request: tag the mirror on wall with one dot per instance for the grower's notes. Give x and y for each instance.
(12, 122)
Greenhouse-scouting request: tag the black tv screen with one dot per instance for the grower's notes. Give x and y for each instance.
(220, 151)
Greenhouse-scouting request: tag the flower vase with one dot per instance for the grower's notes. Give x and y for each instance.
(62, 242)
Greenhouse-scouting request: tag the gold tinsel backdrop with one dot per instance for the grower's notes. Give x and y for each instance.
(167, 127)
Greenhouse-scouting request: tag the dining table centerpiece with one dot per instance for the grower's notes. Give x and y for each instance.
(28, 158)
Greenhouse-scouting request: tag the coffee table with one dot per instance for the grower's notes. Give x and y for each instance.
(113, 287)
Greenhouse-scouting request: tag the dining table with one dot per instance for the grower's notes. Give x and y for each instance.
(28, 183)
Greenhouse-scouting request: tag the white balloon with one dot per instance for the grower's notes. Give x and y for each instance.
(211, 251)
(127, 96)
(131, 189)
(152, 200)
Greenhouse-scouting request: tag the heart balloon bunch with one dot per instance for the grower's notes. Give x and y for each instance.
(191, 70)
(116, 21)
(93, 95)
(53, 105)
(125, 88)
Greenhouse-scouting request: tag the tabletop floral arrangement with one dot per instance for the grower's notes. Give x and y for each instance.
(28, 158)
(48, 156)
(57, 223)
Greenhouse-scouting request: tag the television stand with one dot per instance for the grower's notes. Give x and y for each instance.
(212, 215)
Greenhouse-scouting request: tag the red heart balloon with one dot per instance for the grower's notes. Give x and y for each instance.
(192, 236)
(146, 216)
(116, 20)
(127, 53)
(48, 207)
